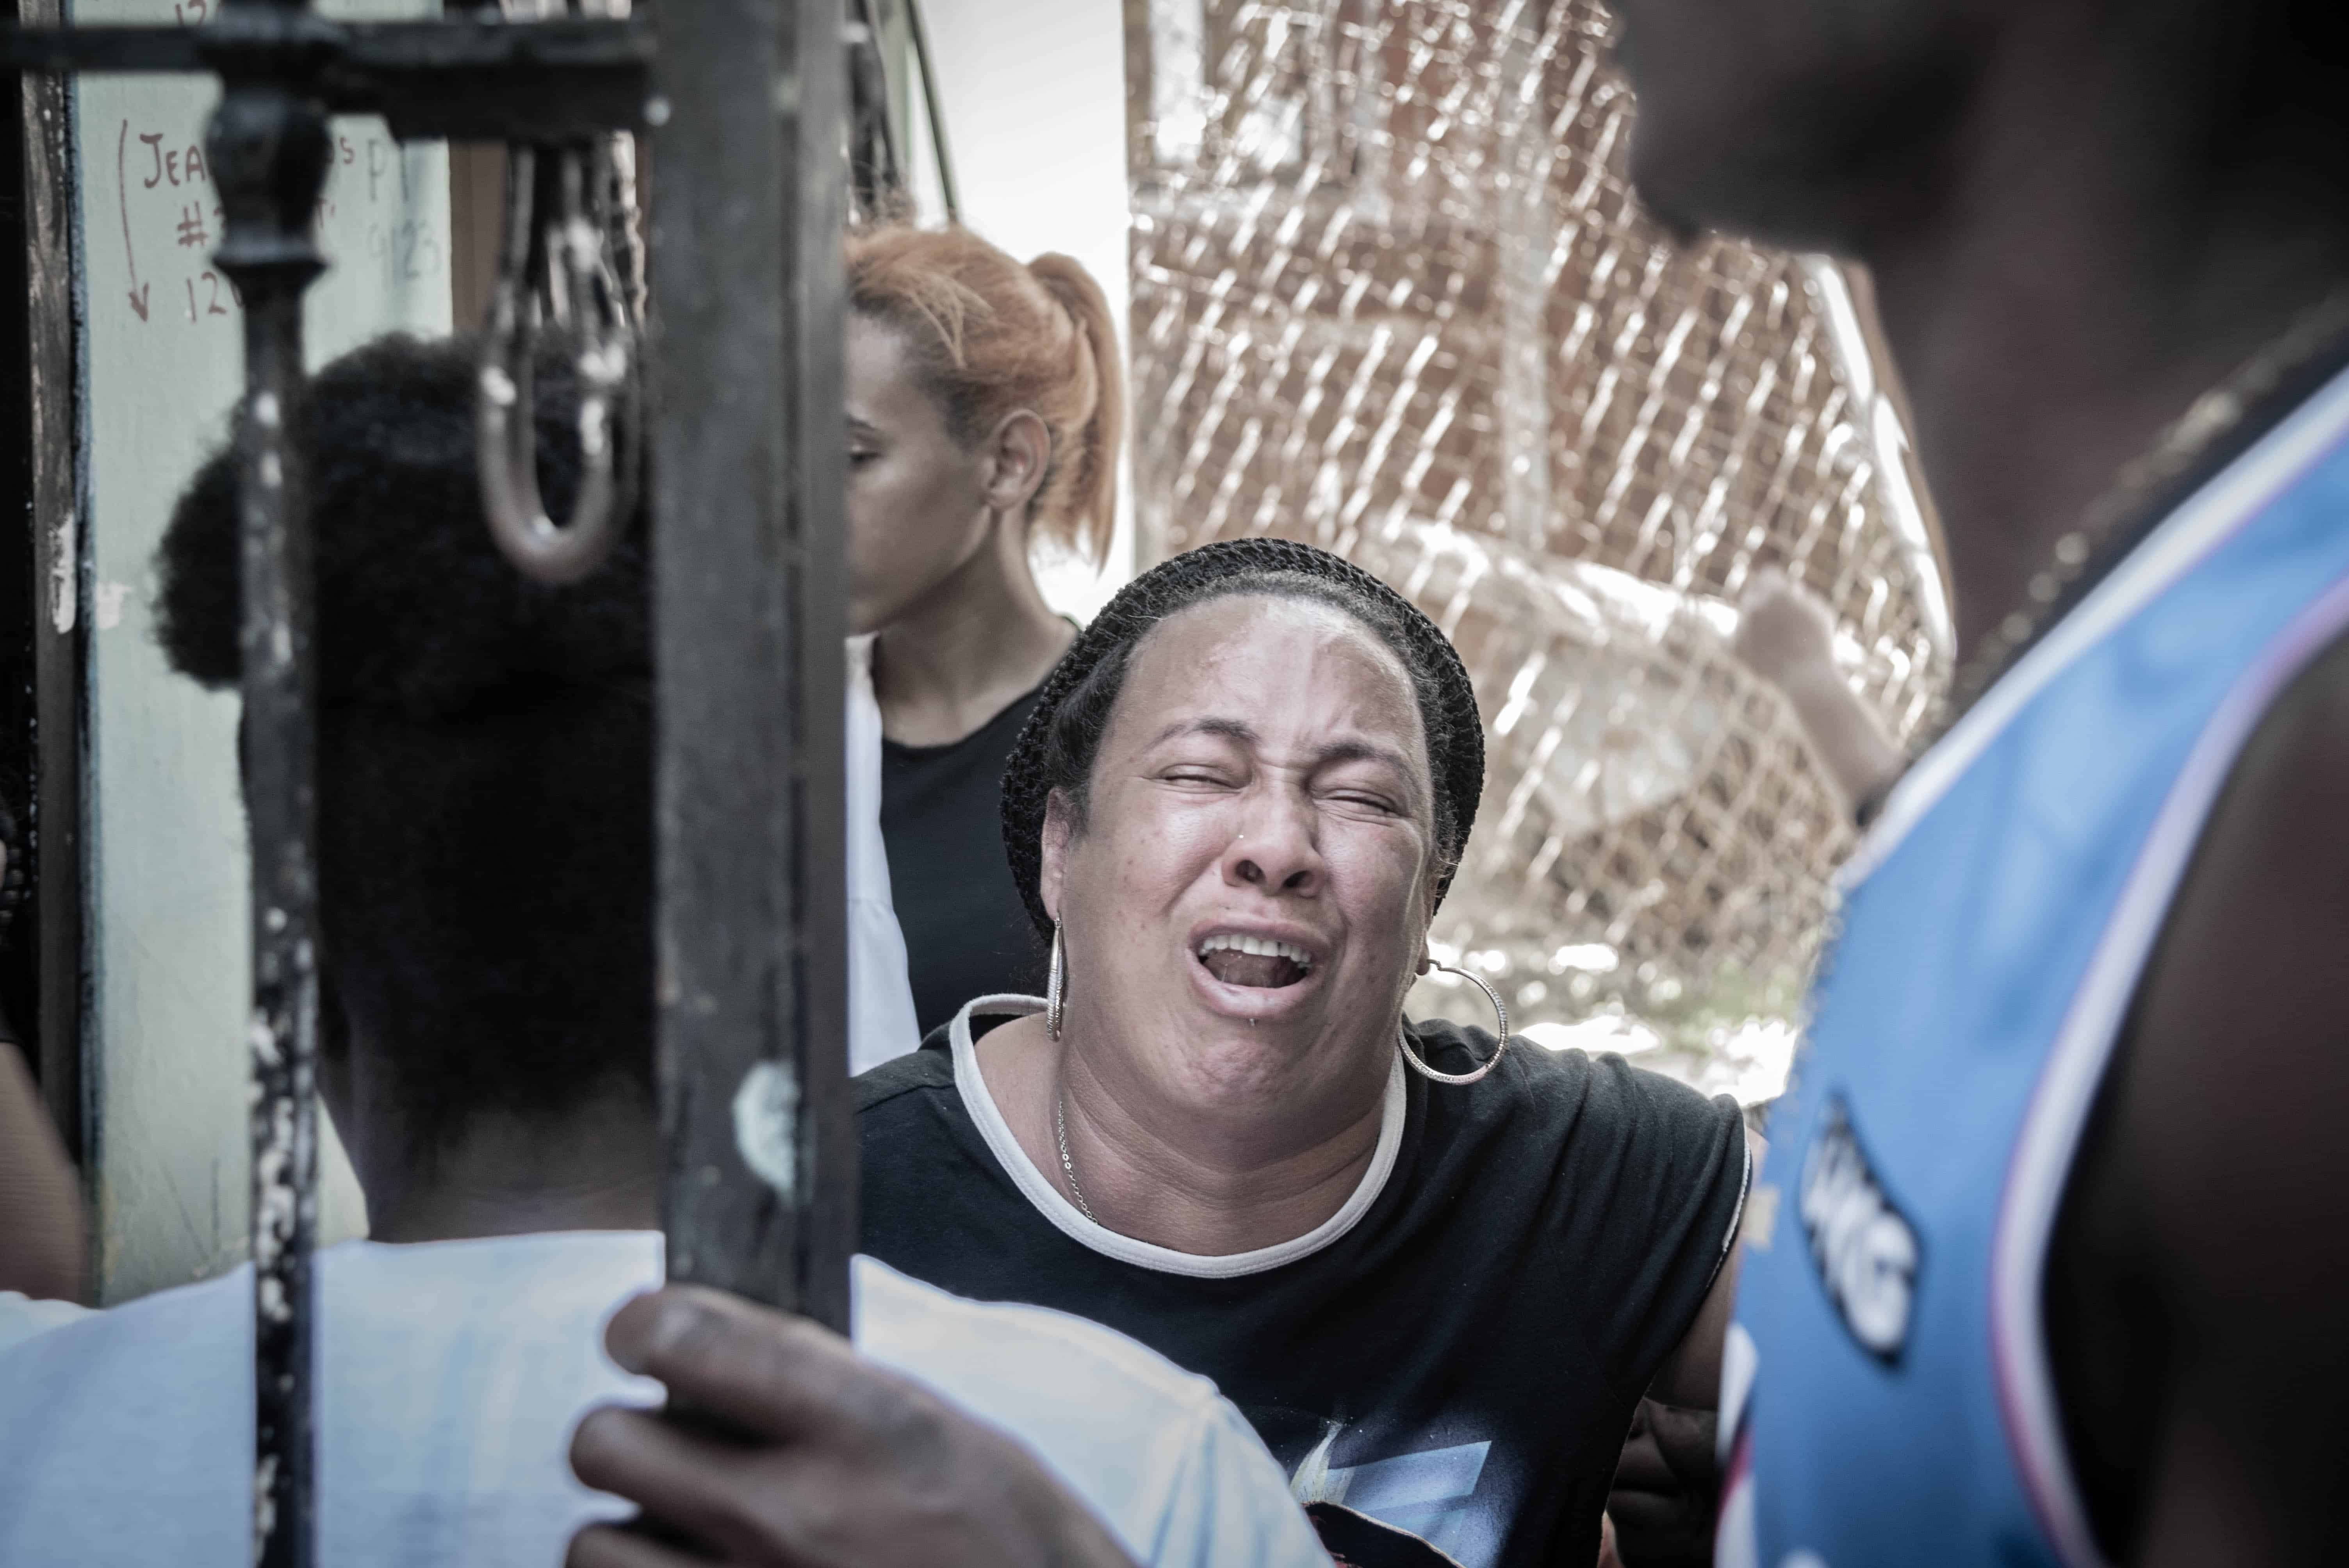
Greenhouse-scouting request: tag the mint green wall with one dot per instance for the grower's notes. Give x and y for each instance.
(168, 888)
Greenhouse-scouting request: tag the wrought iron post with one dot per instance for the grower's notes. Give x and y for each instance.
(55, 504)
(747, 457)
(267, 145)
(282, 69)
(815, 531)
(752, 983)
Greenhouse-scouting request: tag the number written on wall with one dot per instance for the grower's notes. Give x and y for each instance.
(170, 216)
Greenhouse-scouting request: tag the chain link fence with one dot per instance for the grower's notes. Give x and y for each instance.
(1392, 295)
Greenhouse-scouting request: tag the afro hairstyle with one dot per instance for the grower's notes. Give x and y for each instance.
(485, 745)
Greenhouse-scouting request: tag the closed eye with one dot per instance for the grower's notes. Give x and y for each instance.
(1368, 801)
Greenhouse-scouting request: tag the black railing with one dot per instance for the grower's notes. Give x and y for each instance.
(747, 101)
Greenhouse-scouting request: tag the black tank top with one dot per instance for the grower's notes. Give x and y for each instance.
(967, 931)
(1464, 1361)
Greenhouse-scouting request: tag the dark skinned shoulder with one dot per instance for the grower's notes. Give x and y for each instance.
(2197, 1286)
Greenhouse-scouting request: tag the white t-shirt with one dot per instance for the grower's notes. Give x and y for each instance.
(454, 1371)
(882, 1020)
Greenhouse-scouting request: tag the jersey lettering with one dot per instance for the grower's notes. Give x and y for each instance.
(1867, 1252)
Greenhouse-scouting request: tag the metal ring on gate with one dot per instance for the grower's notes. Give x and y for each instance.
(579, 292)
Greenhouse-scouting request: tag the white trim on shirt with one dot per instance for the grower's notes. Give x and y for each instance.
(1744, 1192)
(1039, 1191)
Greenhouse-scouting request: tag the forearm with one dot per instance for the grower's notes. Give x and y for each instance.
(1667, 1490)
(40, 1201)
(1689, 1377)
(1859, 757)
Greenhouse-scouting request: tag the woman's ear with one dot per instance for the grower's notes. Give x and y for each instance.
(1018, 454)
(1428, 897)
(1060, 826)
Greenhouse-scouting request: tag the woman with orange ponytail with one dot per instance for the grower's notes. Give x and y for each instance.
(985, 406)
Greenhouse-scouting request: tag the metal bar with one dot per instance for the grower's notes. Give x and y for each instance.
(52, 413)
(780, 982)
(278, 737)
(56, 48)
(455, 42)
(268, 148)
(815, 537)
(875, 171)
(469, 79)
(937, 112)
(760, 1186)
(562, 79)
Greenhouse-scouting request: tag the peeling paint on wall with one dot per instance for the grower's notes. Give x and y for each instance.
(106, 605)
(766, 1123)
(64, 574)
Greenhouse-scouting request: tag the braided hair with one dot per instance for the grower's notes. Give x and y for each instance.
(1057, 744)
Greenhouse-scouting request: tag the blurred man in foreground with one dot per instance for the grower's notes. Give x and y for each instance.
(2061, 1202)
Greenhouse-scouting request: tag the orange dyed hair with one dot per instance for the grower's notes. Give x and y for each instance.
(991, 337)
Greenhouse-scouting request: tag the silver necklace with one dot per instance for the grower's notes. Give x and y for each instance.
(1067, 1166)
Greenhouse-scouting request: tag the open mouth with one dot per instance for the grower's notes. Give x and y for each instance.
(1254, 961)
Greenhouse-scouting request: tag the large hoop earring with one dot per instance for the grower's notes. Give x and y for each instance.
(1500, 1011)
(1055, 1003)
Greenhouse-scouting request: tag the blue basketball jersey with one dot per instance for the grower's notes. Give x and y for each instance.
(1887, 1397)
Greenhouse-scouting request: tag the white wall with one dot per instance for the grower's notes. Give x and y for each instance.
(1034, 98)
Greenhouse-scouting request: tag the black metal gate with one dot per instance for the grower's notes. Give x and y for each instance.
(748, 105)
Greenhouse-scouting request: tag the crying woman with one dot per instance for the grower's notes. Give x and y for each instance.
(1436, 1273)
